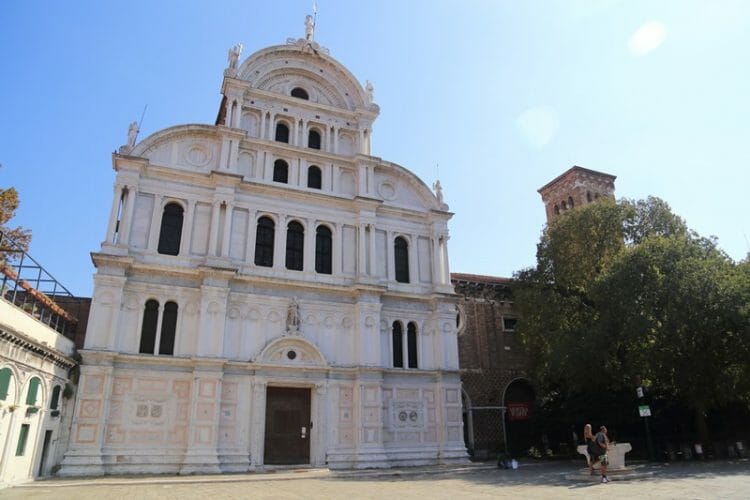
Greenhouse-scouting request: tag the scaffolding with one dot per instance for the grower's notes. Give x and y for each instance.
(27, 285)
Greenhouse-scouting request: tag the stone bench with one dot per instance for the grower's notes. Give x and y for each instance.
(615, 454)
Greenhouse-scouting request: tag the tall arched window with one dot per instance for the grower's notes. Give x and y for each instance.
(282, 132)
(314, 177)
(401, 253)
(570, 202)
(557, 210)
(55, 399)
(33, 393)
(168, 328)
(6, 377)
(411, 343)
(148, 328)
(313, 139)
(398, 344)
(295, 244)
(323, 250)
(171, 229)
(264, 236)
(300, 93)
(280, 171)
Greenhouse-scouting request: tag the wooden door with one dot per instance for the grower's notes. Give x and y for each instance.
(287, 440)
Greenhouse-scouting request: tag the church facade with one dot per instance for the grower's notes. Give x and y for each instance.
(269, 292)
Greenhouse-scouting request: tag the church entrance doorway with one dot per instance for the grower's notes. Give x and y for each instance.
(287, 440)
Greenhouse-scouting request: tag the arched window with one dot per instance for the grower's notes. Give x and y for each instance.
(323, 250)
(280, 171)
(55, 399)
(557, 210)
(171, 229)
(398, 344)
(282, 132)
(564, 205)
(168, 328)
(313, 139)
(570, 202)
(264, 236)
(314, 177)
(295, 243)
(33, 393)
(300, 93)
(411, 343)
(588, 197)
(148, 328)
(6, 376)
(401, 254)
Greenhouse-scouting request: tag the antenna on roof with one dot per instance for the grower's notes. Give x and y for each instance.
(315, 12)
(141, 120)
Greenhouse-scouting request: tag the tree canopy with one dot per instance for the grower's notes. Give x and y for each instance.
(624, 294)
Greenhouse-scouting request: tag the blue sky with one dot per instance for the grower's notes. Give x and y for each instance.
(495, 97)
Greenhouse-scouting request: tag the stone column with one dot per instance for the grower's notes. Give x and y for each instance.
(214, 229)
(187, 228)
(156, 213)
(279, 244)
(262, 130)
(127, 219)
(373, 257)
(413, 262)
(257, 423)
(227, 230)
(390, 264)
(201, 456)
(118, 208)
(309, 248)
(84, 455)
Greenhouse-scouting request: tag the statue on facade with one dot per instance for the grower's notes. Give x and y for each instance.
(309, 27)
(132, 134)
(292, 317)
(438, 191)
(370, 90)
(233, 56)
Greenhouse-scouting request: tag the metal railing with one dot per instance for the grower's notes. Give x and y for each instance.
(27, 285)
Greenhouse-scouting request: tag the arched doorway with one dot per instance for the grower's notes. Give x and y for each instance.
(518, 400)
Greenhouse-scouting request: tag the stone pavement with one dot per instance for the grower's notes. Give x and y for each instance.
(727, 479)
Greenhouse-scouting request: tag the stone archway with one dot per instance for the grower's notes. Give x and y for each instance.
(519, 402)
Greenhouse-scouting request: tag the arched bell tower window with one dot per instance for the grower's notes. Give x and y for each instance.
(295, 244)
(323, 250)
(300, 93)
(398, 344)
(411, 344)
(282, 132)
(264, 242)
(280, 171)
(314, 177)
(313, 139)
(171, 229)
(401, 256)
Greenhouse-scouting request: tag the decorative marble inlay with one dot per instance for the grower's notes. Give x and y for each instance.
(90, 408)
(121, 385)
(407, 415)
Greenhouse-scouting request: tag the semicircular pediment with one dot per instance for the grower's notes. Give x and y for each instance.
(274, 67)
(292, 351)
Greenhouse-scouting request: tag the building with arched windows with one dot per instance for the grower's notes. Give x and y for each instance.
(268, 292)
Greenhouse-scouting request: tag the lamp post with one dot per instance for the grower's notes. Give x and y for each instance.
(644, 410)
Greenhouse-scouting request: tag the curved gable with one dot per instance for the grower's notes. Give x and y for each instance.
(196, 147)
(280, 68)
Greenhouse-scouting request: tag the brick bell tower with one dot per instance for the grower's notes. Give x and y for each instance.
(575, 187)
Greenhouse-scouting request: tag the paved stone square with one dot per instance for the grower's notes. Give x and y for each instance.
(693, 480)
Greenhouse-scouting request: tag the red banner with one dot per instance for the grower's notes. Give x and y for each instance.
(519, 411)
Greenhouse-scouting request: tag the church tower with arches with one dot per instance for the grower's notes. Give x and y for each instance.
(269, 292)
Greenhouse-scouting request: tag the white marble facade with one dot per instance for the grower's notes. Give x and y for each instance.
(244, 325)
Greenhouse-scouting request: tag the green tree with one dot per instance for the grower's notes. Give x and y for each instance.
(22, 237)
(625, 292)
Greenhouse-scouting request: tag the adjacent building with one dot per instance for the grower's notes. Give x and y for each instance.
(268, 291)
